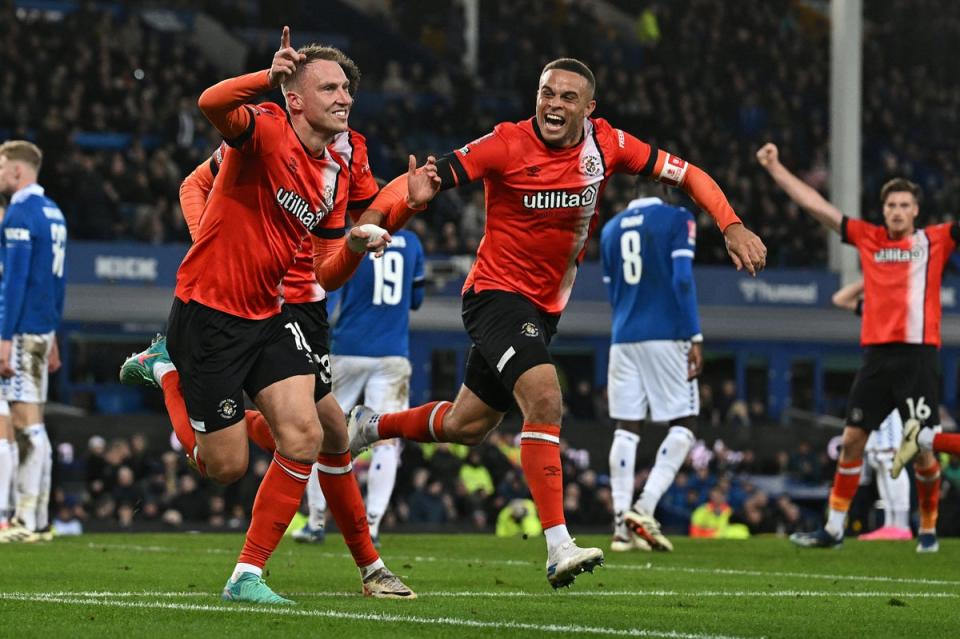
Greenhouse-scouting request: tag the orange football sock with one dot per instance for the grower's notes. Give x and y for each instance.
(420, 424)
(540, 460)
(259, 431)
(928, 495)
(946, 443)
(177, 411)
(340, 487)
(277, 501)
(845, 483)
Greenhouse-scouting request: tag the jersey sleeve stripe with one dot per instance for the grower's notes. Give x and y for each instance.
(843, 230)
(329, 234)
(682, 253)
(651, 161)
(238, 141)
(456, 171)
(596, 142)
(214, 166)
(419, 283)
(361, 204)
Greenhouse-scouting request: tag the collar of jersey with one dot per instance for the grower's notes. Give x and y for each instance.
(644, 201)
(25, 192)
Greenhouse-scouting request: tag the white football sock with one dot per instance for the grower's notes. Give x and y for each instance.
(14, 464)
(925, 438)
(30, 475)
(380, 481)
(316, 502)
(670, 457)
(556, 535)
(6, 472)
(834, 525)
(43, 497)
(160, 369)
(623, 459)
(366, 571)
(242, 568)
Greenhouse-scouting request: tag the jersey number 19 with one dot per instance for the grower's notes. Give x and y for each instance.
(388, 279)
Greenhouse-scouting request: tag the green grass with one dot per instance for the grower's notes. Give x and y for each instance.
(167, 585)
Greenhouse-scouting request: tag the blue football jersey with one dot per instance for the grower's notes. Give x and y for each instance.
(34, 241)
(647, 251)
(375, 303)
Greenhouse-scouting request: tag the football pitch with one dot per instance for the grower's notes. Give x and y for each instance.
(167, 585)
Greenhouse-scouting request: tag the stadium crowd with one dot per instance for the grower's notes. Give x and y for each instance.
(124, 483)
(112, 100)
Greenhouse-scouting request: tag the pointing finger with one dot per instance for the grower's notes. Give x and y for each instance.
(285, 38)
(411, 165)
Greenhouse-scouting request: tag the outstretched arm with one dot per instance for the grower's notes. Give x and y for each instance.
(746, 250)
(849, 297)
(404, 196)
(799, 191)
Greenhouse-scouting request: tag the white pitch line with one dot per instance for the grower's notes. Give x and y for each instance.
(635, 567)
(829, 594)
(277, 611)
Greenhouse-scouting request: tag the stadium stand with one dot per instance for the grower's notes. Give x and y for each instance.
(109, 92)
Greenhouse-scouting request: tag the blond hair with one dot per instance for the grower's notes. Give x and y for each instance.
(313, 52)
(23, 151)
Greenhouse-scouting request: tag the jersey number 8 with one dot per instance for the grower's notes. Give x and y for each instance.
(58, 235)
(630, 252)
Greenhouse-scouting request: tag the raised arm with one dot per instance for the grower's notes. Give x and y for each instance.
(805, 196)
(223, 103)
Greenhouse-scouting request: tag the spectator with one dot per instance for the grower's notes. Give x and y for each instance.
(519, 517)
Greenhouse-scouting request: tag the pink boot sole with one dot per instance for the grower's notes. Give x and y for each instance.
(887, 533)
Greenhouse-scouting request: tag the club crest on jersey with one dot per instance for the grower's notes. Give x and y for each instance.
(895, 255)
(559, 199)
(294, 204)
(227, 408)
(591, 166)
(529, 329)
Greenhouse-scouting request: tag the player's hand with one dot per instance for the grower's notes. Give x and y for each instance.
(285, 60)
(363, 239)
(695, 361)
(745, 248)
(423, 183)
(6, 347)
(768, 156)
(53, 360)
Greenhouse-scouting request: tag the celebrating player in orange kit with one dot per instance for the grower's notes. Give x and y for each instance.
(543, 179)
(902, 270)
(228, 333)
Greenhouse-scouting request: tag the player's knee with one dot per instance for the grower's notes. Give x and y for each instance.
(543, 406)
(682, 429)
(226, 471)
(300, 439)
(474, 432)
